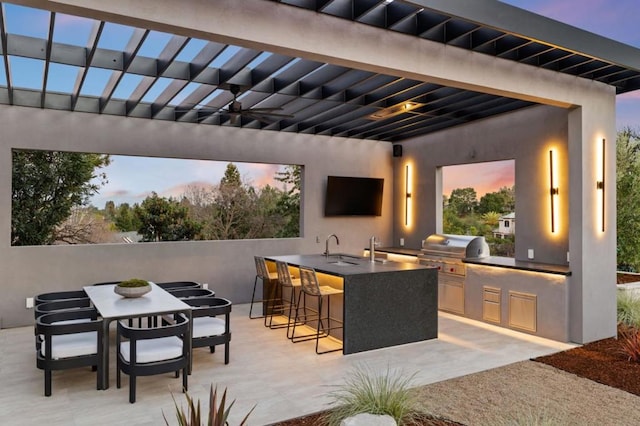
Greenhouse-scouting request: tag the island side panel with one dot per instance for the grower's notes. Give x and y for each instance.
(388, 309)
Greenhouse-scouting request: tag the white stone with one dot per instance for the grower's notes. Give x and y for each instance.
(366, 419)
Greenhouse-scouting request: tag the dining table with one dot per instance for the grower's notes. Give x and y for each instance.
(113, 307)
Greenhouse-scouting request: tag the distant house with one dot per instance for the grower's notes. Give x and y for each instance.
(506, 226)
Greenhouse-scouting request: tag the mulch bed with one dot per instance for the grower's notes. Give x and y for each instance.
(623, 278)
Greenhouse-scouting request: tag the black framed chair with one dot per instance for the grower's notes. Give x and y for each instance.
(211, 323)
(151, 351)
(59, 306)
(285, 305)
(311, 288)
(184, 293)
(59, 295)
(178, 284)
(70, 339)
(268, 280)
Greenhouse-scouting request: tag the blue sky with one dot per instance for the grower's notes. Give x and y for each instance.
(615, 19)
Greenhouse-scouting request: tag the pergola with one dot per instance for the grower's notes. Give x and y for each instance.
(350, 77)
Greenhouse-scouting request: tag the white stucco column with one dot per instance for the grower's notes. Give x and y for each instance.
(592, 252)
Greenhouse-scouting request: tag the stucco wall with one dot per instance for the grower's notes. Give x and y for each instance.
(226, 265)
(525, 136)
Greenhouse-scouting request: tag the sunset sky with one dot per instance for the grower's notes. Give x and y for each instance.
(132, 179)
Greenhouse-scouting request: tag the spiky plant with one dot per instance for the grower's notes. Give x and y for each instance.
(218, 412)
(366, 391)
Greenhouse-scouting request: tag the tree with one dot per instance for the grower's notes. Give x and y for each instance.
(628, 199)
(463, 201)
(289, 202)
(46, 186)
(125, 218)
(164, 219)
(234, 208)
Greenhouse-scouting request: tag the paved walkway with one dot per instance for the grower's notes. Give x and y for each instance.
(282, 379)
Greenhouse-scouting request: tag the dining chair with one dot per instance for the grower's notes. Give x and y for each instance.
(184, 293)
(58, 295)
(58, 306)
(211, 323)
(310, 287)
(266, 277)
(178, 284)
(150, 351)
(70, 339)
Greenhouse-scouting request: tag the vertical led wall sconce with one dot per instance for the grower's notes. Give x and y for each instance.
(600, 183)
(553, 190)
(407, 195)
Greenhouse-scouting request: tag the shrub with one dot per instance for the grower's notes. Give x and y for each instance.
(218, 413)
(628, 309)
(630, 343)
(366, 392)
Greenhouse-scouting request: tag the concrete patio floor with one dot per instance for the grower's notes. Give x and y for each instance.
(283, 380)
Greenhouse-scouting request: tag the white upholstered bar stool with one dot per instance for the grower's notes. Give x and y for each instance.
(262, 273)
(310, 287)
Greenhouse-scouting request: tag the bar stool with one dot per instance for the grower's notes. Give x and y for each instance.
(285, 281)
(263, 274)
(311, 288)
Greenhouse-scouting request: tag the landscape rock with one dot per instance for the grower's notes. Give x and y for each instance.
(366, 419)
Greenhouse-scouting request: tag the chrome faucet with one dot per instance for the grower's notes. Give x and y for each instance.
(326, 244)
(372, 249)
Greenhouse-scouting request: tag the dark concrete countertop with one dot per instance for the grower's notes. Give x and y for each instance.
(511, 263)
(398, 250)
(348, 264)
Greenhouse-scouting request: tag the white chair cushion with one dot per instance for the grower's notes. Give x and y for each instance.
(152, 350)
(70, 345)
(208, 326)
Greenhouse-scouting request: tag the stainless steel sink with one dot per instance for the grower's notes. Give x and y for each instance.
(342, 263)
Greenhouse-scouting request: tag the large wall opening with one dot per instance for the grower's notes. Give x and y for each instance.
(480, 199)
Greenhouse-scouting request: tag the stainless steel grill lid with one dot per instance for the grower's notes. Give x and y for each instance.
(458, 246)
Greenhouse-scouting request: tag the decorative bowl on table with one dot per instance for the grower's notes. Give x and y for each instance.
(132, 288)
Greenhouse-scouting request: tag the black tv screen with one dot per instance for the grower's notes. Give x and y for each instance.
(353, 196)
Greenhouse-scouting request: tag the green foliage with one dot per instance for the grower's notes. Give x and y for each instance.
(628, 199)
(628, 308)
(461, 217)
(463, 201)
(502, 201)
(125, 219)
(133, 282)
(218, 412)
(46, 186)
(164, 219)
(366, 391)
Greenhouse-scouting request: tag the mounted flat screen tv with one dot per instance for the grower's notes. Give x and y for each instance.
(353, 196)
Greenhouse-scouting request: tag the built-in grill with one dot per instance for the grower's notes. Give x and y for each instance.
(445, 252)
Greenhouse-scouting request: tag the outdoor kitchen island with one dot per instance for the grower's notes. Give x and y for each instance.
(385, 303)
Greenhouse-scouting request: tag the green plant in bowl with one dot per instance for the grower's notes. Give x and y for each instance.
(134, 287)
(134, 282)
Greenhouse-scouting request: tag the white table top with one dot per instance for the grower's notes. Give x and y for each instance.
(113, 306)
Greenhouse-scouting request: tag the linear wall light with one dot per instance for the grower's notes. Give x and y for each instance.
(600, 183)
(407, 195)
(394, 110)
(553, 190)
